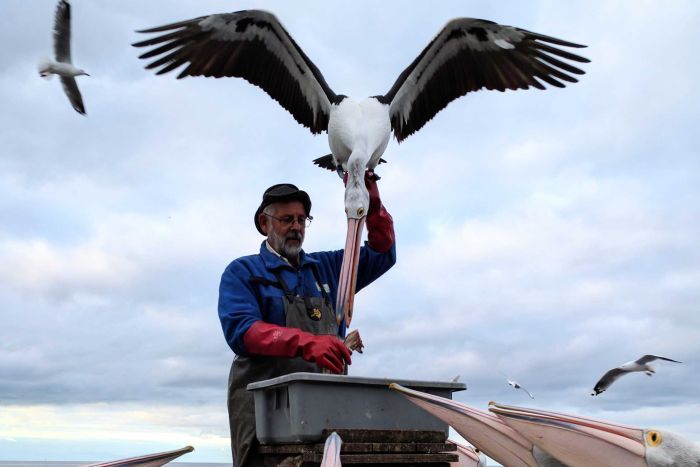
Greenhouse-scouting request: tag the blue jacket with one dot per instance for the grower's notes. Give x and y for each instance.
(241, 302)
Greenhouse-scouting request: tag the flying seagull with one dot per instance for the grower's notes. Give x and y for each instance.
(485, 431)
(579, 441)
(517, 385)
(63, 66)
(467, 55)
(148, 460)
(641, 364)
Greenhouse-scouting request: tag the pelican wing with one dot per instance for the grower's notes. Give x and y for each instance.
(472, 54)
(327, 162)
(149, 460)
(650, 358)
(70, 87)
(61, 32)
(249, 44)
(607, 379)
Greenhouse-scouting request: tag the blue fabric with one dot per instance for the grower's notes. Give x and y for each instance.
(241, 302)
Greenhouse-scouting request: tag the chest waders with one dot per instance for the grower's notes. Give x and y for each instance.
(310, 314)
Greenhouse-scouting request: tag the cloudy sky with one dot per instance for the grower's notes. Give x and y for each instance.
(546, 236)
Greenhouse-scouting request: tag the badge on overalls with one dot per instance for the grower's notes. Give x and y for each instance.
(314, 314)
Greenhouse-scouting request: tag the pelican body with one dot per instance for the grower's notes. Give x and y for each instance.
(467, 55)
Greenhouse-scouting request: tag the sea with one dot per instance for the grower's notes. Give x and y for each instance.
(84, 463)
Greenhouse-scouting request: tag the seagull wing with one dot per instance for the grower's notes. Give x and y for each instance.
(472, 54)
(651, 358)
(61, 32)
(528, 392)
(249, 44)
(70, 87)
(607, 379)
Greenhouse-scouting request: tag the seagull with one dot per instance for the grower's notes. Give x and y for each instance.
(579, 441)
(148, 460)
(331, 451)
(641, 364)
(488, 433)
(467, 55)
(517, 385)
(63, 66)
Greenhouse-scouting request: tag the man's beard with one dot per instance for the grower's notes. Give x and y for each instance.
(289, 250)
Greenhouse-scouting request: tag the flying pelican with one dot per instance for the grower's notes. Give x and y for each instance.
(467, 55)
(149, 460)
(485, 431)
(579, 441)
(641, 364)
(63, 66)
(517, 385)
(331, 451)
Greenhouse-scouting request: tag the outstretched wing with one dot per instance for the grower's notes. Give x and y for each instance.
(607, 379)
(327, 162)
(70, 87)
(249, 44)
(61, 32)
(651, 358)
(472, 54)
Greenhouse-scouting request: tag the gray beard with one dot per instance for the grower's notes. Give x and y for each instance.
(286, 250)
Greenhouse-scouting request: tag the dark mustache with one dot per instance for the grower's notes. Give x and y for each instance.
(294, 236)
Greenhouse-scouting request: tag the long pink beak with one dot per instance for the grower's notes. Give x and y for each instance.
(486, 432)
(576, 441)
(468, 457)
(348, 271)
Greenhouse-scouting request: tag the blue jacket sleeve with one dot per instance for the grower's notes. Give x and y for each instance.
(238, 306)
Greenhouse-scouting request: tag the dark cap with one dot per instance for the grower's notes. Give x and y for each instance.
(282, 193)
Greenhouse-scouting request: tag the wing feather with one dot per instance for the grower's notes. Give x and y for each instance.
(61, 32)
(249, 44)
(472, 54)
(70, 87)
(608, 378)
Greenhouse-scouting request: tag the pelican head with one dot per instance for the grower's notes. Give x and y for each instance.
(579, 441)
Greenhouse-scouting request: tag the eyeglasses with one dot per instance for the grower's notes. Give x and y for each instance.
(288, 221)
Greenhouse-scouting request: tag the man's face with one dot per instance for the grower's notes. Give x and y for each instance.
(285, 238)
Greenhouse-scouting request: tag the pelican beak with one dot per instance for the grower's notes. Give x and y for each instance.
(576, 441)
(348, 271)
(331, 451)
(486, 432)
(467, 455)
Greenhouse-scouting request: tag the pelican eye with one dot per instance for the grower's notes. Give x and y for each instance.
(360, 211)
(653, 438)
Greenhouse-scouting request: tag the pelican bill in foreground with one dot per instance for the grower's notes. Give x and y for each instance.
(63, 66)
(485, 431)
(580, 441)
(331, 451)
(467, 55)
(468, 456)
(148, 460)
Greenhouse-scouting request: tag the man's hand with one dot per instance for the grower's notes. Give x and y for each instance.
(380, 225)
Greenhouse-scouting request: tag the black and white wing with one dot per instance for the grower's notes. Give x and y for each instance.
(472, 54)
(70, 87)
(607, 379)
(61, 32)
(650, 358)
(249, 44)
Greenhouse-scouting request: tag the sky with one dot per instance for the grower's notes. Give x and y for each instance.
(542, 236)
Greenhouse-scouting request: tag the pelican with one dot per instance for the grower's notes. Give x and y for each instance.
(63, 65)
(485, 431)
(149, 460)
(468, 456)
(331, 451)
(517, 385)
(579, 441)
(467, 55)
(641, 364)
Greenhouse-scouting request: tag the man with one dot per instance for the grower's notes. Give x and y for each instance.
(277, 307)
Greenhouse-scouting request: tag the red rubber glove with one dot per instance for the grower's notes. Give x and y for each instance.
(380, 225)
(278, 341)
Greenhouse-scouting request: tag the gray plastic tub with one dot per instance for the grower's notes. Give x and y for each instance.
(296, 408)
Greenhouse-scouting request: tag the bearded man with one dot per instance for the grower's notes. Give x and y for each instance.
(277, 307)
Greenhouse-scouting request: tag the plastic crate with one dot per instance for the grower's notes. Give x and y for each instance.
(295, 408)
